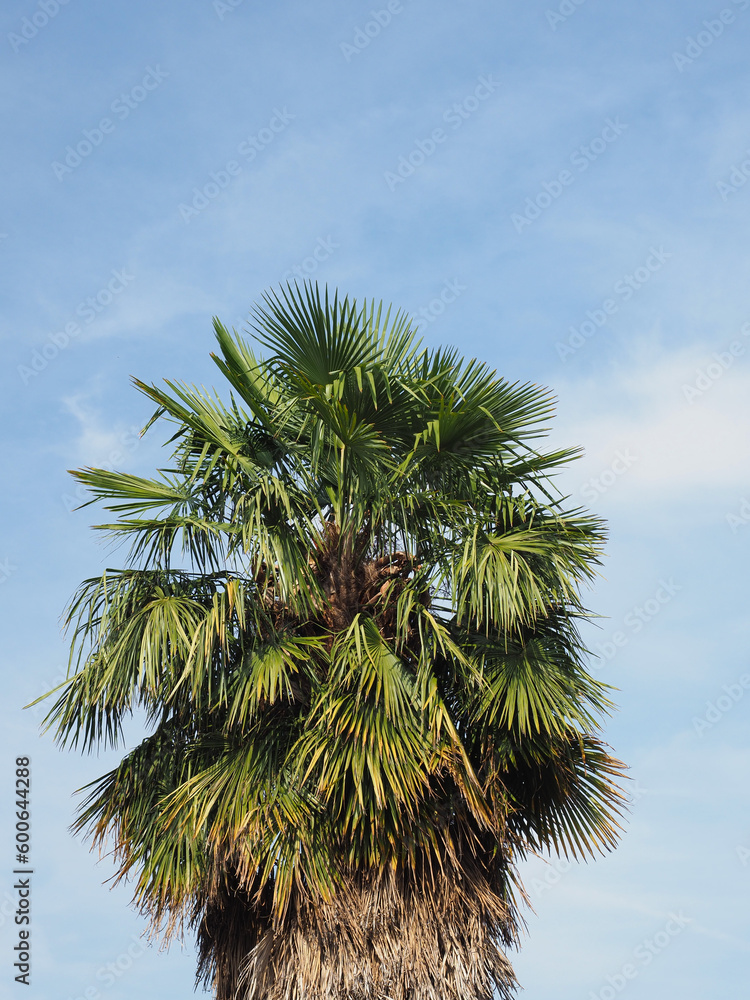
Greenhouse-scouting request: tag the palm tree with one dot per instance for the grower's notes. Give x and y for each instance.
(349, 612)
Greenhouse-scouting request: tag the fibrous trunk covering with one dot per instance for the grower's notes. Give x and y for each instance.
(385, 936)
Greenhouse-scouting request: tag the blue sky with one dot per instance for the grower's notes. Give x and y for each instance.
(557, 188)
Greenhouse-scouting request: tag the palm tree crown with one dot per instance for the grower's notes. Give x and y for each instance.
(349, 610)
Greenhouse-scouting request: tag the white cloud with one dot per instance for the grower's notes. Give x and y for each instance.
(674, 442)
(97, 444)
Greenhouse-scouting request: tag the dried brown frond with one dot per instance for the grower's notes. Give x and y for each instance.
(384, 936)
